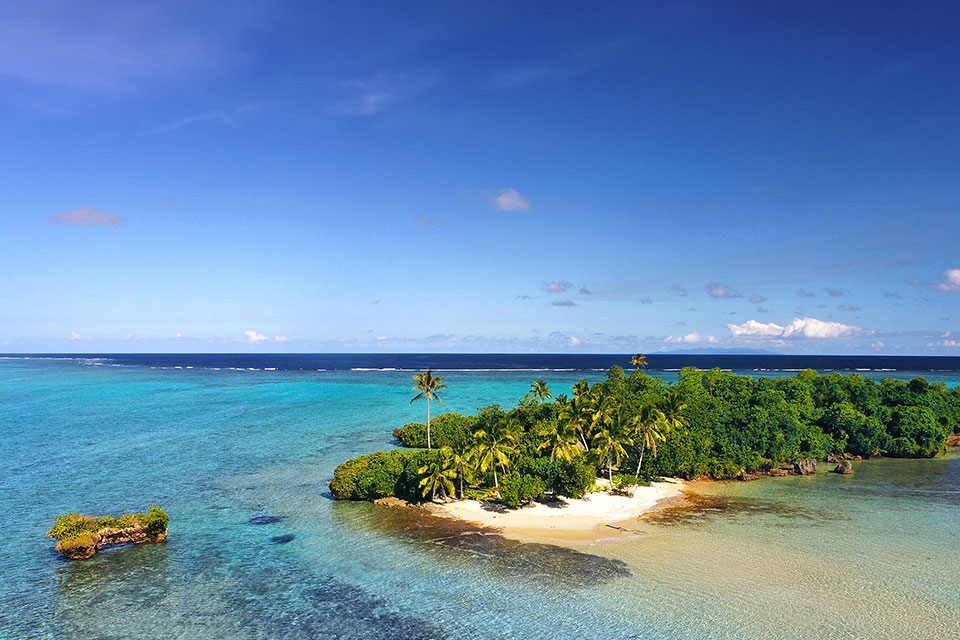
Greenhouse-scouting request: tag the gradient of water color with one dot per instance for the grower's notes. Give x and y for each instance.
(871, 555)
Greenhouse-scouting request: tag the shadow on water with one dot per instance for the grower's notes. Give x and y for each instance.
(459, 543)
(207, 591)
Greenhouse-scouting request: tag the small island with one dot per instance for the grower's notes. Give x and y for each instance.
(618, 448)
(79, 537)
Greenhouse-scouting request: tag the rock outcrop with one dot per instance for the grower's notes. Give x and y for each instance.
(391, 501)
(954, 440)
(805, 467)
(844, 467)
(88, 544)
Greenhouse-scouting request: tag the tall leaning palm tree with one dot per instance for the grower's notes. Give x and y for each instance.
(540, 390)
(494, 448)
(639, 360)
(428, 386)
(461, 461)
(610, 440)
(649, 427)
(576, 414)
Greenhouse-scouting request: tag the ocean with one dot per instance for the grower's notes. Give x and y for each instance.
(220, 440)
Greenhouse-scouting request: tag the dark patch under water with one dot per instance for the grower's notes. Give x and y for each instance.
(265, 519)
(694, 507)
(483, 549)
(280, 600)
(284, 539)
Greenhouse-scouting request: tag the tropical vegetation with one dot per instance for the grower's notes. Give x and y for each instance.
(74, 529)
(636, 427)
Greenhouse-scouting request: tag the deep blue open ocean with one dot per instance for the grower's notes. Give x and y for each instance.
(222, 440)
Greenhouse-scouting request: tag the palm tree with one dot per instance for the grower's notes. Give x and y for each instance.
(610, 439)
(639, 360)
(461, 462)
(672, 407)
(560, 439)
(580, 388)
(576, 414)
(436, 475)
(494, 448)
(540, 390)
(649, 427)
(428, 386)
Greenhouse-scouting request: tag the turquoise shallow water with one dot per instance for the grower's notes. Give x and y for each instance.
(868, 556)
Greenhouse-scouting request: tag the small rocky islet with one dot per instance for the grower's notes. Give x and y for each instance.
(79, 537)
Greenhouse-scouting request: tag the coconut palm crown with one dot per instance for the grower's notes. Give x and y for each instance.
(428, 386)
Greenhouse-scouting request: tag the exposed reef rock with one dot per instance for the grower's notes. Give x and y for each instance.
(805, 467)
(844, 467)
(85, 546)
(391, 501)
(80, 536)
(954, 440)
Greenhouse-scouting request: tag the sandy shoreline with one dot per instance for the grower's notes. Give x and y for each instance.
(596, 517)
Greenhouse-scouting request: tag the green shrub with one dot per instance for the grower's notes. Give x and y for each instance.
(516, 489)
(446, 430)
(155, 519)
(369, 477)
(623, 481)
(73, 529)
(574, 478)
(543, 468)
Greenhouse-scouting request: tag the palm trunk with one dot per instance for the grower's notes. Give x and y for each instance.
(428, 423)
(642, 447)
(496, 482)
(461, 486)
(582, 439)
(610, 470)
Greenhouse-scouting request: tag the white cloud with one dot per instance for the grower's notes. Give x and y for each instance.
(692, 338)
(254, 337)
(557, 286)
(76, 336)
(511, 200)
(87, 216)
(757, 299)
(719, 290)
(754, 328)
(798, 328)
(280, 339)
(574, 340)
(951, 282)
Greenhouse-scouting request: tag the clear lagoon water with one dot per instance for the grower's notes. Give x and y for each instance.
(219, 441)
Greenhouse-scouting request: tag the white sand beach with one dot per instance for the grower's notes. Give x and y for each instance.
(595, 517)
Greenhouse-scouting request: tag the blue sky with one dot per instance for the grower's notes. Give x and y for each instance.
(594, 177)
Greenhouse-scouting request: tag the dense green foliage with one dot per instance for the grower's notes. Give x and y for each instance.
(74, 527)
(446, 430)
(516, 489)
(633, 428)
